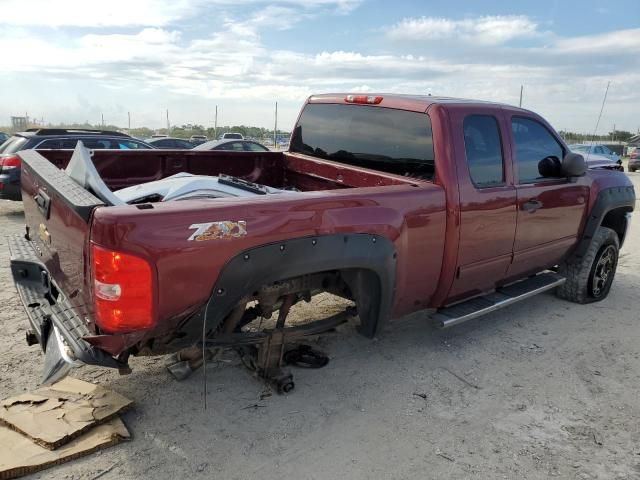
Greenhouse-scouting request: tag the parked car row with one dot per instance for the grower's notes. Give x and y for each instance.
(598, 156)
(66, 139)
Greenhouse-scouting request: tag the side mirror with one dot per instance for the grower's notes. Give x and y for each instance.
(550, 167)
(573, 165)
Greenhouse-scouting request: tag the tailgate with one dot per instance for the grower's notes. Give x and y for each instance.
(57, 213)
(48, 264)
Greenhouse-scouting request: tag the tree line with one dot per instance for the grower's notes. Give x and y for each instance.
(179, 131)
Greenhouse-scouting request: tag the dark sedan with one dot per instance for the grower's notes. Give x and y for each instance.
(54, 138)
(170, 143)
(232, 145)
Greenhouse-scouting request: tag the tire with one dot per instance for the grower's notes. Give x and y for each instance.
(589, 278)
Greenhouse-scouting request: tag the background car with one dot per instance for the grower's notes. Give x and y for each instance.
(596, 149)
(3, 137)
(54, 138)
(233, 145)
(170, 143)
(231, 136)
(198, 139)
(634, 160)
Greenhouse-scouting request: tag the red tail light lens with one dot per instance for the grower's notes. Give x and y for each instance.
(123, 291)
(8, 162)
(366, 99)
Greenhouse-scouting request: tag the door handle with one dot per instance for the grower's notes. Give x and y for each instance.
(531, 205)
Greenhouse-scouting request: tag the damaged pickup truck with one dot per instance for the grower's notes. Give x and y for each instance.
(394, 203)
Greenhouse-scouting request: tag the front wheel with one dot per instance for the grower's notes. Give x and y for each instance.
(589, 278)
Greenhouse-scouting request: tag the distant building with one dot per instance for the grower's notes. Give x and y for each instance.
(19, 123)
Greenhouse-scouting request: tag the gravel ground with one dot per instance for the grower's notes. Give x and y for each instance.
(542, 389)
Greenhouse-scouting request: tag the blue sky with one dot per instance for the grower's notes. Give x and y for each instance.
(74, 60)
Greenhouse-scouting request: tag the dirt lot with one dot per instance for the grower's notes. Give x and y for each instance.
(543, 389)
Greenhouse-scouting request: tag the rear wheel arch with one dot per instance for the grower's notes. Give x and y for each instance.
(365, 262)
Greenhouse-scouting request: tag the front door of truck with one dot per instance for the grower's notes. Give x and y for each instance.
(550, 210)
(487, 199)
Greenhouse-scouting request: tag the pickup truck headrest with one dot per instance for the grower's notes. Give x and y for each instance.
(82, 170)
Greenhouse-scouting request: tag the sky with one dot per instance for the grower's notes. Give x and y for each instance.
(77, 60)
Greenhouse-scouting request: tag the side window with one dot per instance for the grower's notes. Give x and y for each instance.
(55, 144)
(598, 150)
(95, 143)
(484, 150)
(254, 147)
(533, 143)
(129, 145)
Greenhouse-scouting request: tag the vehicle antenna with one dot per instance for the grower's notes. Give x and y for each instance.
(593, 136)
(521, 89)
(601, 110)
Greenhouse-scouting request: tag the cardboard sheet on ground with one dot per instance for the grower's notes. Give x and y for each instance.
(20, 456)
(52, 416)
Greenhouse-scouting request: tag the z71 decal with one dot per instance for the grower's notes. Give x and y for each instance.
(218, 230)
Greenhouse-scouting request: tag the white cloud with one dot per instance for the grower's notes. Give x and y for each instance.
(88, 13)
(127, 13)
(149, 68)
(627, 41)
(486, 30)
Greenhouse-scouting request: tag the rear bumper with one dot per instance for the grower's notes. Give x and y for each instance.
(47, 307)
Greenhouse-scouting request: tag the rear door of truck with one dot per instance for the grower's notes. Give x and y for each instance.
(48, 263)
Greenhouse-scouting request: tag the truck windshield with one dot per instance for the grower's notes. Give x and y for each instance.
(389, 140)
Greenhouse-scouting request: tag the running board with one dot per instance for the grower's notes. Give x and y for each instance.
(502, 297)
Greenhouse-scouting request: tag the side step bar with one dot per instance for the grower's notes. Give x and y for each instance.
(502, 297)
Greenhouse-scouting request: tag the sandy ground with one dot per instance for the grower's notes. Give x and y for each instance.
(543, 389)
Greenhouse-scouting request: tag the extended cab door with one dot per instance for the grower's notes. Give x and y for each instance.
(550, 210)
(487, 199)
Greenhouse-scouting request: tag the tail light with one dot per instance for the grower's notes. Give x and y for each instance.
(8, 162)
(366, 99)
(122, 290)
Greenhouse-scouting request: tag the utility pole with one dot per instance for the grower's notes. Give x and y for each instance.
(129, 122)
(521, 89)
(215, 125)
(275, 129)
(168, 124)
(102, 117)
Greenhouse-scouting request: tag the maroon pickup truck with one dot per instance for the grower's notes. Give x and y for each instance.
(395, 203)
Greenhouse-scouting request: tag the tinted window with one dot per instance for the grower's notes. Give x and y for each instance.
(58, 143)
(13, 145)
(183, 144)
(484, 150)
(385, 139)
(254, 147)
(533, 142)
(163, 143)
(233, 135)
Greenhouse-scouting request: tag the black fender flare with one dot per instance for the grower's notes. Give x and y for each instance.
(368, 263)
(608, 199)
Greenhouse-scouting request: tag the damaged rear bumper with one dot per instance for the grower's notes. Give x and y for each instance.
(55, 323)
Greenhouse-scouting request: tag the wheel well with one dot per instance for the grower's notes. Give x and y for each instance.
(360, 285)
(616, 221)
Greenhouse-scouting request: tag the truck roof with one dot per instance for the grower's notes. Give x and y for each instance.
(417, 103)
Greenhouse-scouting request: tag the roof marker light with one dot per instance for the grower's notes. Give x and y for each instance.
(364, 99)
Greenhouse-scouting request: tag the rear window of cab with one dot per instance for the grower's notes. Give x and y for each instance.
(384, 139)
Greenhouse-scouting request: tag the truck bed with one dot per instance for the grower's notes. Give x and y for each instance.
(407, 214)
